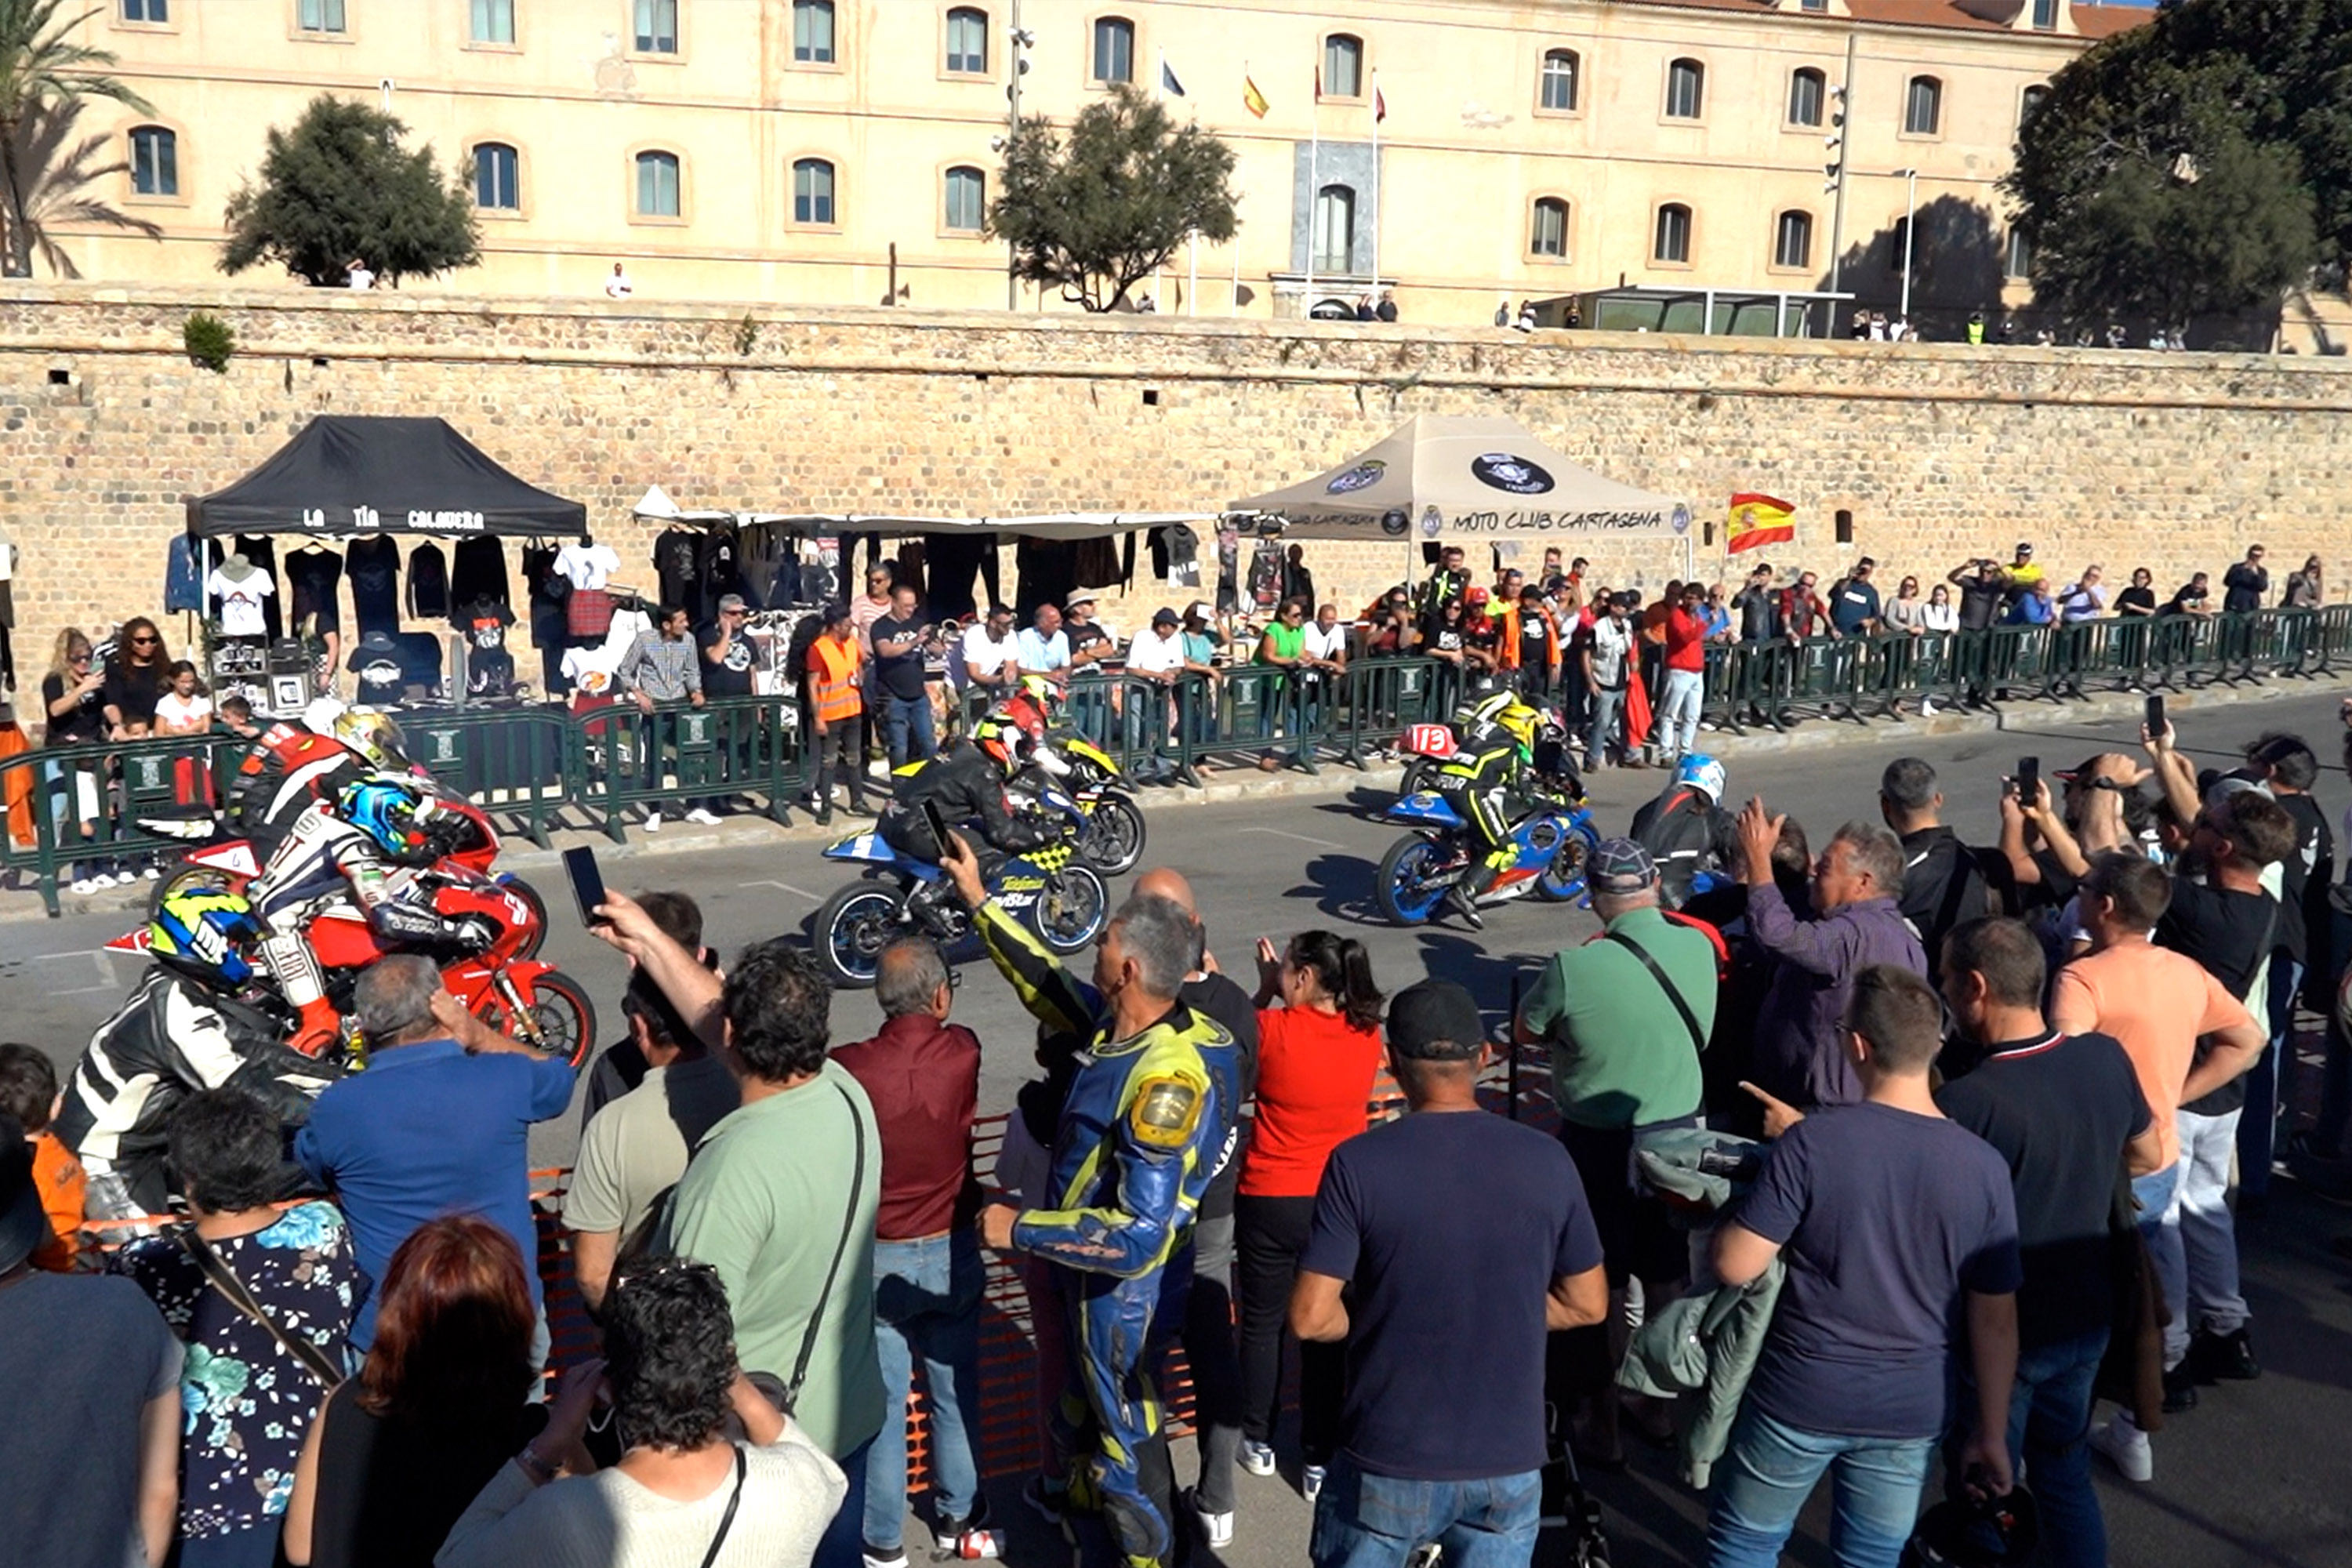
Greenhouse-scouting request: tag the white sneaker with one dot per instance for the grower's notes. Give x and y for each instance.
(653, 822)
(2124, 1443)
(1926, 708)
(84, 885)
(706, 819)
(109, 878)
(1310, 1481)
(1217, 1529)
(1257, 1458)
(152, 873)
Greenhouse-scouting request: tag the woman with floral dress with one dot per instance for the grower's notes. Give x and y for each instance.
(248, 1394)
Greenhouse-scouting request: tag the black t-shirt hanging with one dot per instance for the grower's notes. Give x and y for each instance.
(428, 582)
(315, 577)
(677, 564)
(484, 623)
(375, 659)
(478, 570)
(263, 554)
(715, 573)
(374, 567)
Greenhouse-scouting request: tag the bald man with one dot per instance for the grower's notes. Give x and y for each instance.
(1208, 1333)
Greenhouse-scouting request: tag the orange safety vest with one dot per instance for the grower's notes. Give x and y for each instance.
(833, 680)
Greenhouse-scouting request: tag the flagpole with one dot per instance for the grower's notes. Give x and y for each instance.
(1314, 191)
(1159, 96)
(1376, 181)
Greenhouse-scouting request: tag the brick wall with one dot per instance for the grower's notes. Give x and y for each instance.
(1939, 452)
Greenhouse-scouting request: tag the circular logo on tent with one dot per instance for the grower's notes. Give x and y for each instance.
(1509, 471)
(1362, 477)
(1396, 521)
(1682, 519)
(1433, 522)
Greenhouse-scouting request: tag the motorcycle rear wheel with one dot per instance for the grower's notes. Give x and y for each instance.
(1398, 886)
(1113, 840)
(1072, 909)
(1563, 880)
(851, 931)
(565, 1016)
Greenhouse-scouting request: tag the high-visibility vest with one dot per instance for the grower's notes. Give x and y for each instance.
(833, 680)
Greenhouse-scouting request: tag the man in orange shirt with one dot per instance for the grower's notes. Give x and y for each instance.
(28, 1091)
(2161, 1006)
(835, 704)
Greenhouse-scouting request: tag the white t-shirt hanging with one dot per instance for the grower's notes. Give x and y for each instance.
(587, 565)
(241, 602)
(590, 669)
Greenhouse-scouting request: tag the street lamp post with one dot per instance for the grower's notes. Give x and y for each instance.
(1910, 236)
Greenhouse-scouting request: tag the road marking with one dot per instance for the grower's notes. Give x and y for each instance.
(1303, 838)
(107, 980)
(784, 887)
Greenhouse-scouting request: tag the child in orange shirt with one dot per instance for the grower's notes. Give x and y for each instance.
(28, 1091)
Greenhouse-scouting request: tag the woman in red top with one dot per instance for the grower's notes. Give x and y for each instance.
(1318, 1054)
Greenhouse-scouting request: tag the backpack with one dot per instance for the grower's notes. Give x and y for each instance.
(1677, 827)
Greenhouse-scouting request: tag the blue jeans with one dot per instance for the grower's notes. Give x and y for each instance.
(2266, 1083)
(1376, 1522)
(1607, 706)
(1771, 1469)
(839, 1547)
(909, 717)
(926, 1302)
(2049, 1428)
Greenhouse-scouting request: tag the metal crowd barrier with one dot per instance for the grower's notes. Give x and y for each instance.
(120, 804)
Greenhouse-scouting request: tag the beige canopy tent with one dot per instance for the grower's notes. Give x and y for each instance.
(1463, 479)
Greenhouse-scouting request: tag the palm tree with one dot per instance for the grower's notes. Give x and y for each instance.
(40, 72)
(61, 170)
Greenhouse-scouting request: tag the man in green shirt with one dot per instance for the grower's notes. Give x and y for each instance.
(780, 1196)
(1626, 1015)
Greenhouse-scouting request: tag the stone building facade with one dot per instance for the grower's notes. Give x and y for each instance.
(1919, 455)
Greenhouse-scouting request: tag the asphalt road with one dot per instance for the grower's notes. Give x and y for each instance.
(2255, 1475)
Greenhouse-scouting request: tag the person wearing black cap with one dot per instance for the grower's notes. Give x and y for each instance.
(1449, 1298)
(89, 1379)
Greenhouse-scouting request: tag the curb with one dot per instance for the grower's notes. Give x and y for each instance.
(1234, 784)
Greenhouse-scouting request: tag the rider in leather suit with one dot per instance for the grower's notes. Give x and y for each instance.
(966, 782)
(1501, 764)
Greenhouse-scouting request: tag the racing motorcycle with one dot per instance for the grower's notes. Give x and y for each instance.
(1052, 891)
(1429, 747)
(1089, 802)
(494, 972)
(1552, 846)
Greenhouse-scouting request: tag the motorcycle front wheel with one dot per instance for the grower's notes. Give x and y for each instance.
(1402, 888)
(1113, 840)
(853, 928)
(1072, 909)
(1564, 879)
(566, 1018)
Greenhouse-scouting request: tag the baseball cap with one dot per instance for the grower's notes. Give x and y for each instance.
(1435, 1021)
(728, 602)
(1164, 617)
(1621, 866)
(1079, 596)
(2228, 785)
(24, 1225)
(2024, 547)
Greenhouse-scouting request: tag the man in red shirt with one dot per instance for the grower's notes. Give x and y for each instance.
(1685, 684)
(923, 1074)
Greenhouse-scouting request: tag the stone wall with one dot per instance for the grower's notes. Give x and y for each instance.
(1937, 452)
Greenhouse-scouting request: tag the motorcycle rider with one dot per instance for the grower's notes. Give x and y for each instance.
(296, 765)
(189, 1025)
(1493, 781)
(1686, 828)
(966, 781)
(356, 849)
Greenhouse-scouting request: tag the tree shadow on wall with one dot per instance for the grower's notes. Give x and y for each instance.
(1955, 269)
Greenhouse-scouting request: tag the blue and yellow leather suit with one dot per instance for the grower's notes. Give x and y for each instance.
(1141, 1133)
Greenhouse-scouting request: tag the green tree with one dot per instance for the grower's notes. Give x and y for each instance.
(61, 170)
(41, 73)
(339, 186)
(1096, 215)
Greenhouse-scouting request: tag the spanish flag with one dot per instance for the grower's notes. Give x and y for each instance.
(1758, 520)
(1253, 99)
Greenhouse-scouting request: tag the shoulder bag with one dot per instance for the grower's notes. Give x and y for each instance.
(224, 1279)
(786, 1395)
(727, 1519)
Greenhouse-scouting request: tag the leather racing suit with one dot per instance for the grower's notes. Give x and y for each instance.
(1141, 1133)
(1486, 781)
(967, 786)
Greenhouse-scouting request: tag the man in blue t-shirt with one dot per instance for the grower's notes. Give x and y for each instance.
(1899, 1232)
(1450, 1296)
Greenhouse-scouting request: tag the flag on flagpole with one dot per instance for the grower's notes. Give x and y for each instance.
(1253, 99)
(1168, 82)
(1758, 520)
(1379, 103)
(1318, 84)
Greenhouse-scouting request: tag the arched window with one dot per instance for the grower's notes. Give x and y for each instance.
(1792, 240)
(1334, 229)
(967, 193)
(154, 161)
(1673, 242)
(813, 191)
(1808, 91)
(498, 182)
(813, 32)
(1547, 231)
(1686, 90)
(1558, 81)
(2018, 261)
(657, 185)
(656, 26)
(1343, 66)
(1923, 107)
(968, 41)
(2030, 99)
(1114, 58)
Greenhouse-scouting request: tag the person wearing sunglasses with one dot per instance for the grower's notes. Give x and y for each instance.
(136, 678)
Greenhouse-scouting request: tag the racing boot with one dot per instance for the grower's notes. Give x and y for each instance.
(319, 1030)
(1465, 894)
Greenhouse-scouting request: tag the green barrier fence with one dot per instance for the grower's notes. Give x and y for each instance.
(121, 805)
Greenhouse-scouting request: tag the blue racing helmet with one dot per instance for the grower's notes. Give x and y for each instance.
(205, 933)
(391, 811)
(1702, 773)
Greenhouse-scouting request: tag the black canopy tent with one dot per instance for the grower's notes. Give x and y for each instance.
(348, 475)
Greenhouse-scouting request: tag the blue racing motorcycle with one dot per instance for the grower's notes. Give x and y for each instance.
(1554, 846)
(1051, 890)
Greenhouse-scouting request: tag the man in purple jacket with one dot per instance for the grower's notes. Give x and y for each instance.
(1856, 922)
